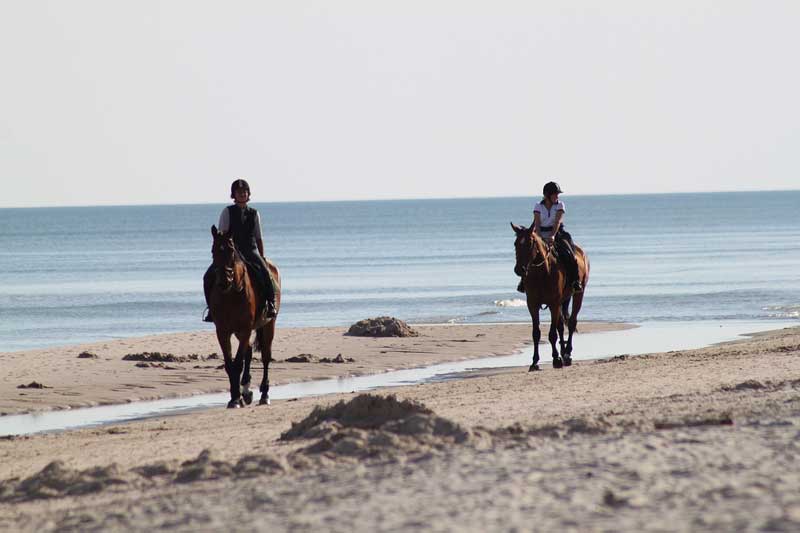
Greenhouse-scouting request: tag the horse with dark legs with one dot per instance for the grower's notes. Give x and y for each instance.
(546, 285)
(233, 303)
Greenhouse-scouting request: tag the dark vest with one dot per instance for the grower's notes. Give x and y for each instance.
(243, 227)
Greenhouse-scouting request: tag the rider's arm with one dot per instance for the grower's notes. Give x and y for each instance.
(224, 222)
(557, 223)
(537, 222)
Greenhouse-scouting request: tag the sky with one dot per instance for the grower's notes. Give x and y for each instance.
(164, 102)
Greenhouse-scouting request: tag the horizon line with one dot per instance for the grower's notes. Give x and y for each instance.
(399, 199)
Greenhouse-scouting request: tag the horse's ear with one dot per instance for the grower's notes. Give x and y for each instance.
(516, 228)
(213, 230)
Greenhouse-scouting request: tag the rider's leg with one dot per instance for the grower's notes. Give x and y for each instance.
(264, 282)
(208, 283)
(566, 255)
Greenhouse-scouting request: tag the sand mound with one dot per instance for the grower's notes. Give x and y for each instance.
(158, 357)
(205, 466)
(376, 427)
(382, 326)
(300, 358)
(365, 411)
(56, 480)
(562, 430)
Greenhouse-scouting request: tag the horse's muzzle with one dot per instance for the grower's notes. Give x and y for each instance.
(519, 271)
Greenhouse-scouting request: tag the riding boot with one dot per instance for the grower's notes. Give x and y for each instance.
(521, 286)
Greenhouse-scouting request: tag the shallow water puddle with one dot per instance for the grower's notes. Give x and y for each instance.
(648, 338)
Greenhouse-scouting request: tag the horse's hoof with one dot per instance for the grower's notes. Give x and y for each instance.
(264, 401)
(568, 361)
(248, 397)
(235, 404)
(534, 367)
(557, 363)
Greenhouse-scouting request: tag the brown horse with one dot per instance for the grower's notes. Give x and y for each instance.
(232, 302)
(546, 285)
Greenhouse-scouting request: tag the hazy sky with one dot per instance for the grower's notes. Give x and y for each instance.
(111, 102)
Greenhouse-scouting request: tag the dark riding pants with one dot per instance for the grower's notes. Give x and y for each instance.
(565, 250)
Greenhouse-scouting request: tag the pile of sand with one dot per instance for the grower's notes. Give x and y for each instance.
(382, 326)
(372, 426)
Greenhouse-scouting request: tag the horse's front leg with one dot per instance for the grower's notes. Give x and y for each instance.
(265, 337)
(247, 394)
(224, 340)
(537, 336)
(555, 319)
(560, 329)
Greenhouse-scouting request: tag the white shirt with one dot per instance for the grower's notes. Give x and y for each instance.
(225, 223)
(547, 217)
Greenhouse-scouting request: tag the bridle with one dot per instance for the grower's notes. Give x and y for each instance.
(532, 256)
(227, 283)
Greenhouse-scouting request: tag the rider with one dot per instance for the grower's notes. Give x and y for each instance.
(547, 216)
(244, 223)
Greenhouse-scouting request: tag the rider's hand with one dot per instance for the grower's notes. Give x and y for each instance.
(551, 239)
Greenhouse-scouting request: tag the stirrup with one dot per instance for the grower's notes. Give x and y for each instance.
(577, 287)
(521, 287)
(270, 311)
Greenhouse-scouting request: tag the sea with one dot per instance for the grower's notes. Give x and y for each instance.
(72, 275)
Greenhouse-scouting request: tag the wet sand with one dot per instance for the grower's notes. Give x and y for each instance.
(688, 440)
(190, 363)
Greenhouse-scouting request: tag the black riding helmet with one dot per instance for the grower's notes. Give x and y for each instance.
(551, 187)
(239, 184)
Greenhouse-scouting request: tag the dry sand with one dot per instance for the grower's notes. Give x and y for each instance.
(694, 440)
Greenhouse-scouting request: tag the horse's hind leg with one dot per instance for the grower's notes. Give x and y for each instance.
(555, 319)
(572, 323)
(247, 394)
(265, 336)
(566, 347)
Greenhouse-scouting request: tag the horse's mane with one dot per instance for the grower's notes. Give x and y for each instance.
(538, 248)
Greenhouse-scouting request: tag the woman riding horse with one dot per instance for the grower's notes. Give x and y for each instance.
(244, 224)
(547, 224)
(238, 286)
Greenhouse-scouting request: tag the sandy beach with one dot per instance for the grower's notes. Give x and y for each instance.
(190, 363)
(690, 440)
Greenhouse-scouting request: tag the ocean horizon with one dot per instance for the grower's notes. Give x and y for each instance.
(74, 274)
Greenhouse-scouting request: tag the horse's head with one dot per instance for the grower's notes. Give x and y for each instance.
(522, 248)
(529, 248)
(223, 253)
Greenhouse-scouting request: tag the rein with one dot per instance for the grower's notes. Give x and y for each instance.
(545, 257)
(230, 275)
